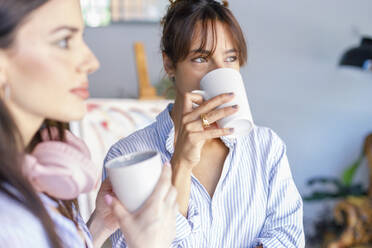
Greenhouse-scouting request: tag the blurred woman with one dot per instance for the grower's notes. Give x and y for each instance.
(232, 192)
(44, 67)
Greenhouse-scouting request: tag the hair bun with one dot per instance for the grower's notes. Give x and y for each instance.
(173, 2)
(225, 3)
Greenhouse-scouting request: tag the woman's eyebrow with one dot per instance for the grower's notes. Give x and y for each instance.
(202, 51)
(68, 28)
(233, 50)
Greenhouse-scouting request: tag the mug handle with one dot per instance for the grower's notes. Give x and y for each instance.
(199, 92)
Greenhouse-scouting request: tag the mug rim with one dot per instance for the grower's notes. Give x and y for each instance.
(131, 159)
(218, 70)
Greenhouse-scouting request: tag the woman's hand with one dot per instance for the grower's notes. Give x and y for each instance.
(154, 224)
(191, 135)
(102, 223)
(109, 221)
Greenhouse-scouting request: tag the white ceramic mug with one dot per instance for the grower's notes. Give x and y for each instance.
(226, 80)
(134, 177)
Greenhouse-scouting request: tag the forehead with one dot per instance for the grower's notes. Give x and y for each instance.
(51, 15)
(210, 35)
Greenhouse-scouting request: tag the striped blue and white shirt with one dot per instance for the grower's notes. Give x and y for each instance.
(255, 201)
(19, 228)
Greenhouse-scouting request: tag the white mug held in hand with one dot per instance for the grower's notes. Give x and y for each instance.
(134, 177)
(226, 80)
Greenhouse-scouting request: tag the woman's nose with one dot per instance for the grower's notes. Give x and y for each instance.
(90, 63)
(217, 65)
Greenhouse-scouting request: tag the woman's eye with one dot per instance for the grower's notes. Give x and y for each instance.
(64, 43)
(231, 59)
(200, 60)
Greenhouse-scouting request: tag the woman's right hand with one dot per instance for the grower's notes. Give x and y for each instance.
(154, 224)
(191, 135)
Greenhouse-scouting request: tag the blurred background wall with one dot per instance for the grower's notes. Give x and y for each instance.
(321, 111)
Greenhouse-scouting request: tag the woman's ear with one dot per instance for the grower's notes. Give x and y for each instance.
(168, 66)
(3, 77)
(4, 84)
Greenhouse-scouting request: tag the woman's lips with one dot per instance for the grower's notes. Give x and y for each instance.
(81, 92)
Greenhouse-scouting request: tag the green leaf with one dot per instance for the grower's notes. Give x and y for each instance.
(349, 172)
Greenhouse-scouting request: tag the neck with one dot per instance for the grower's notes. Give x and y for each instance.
(28, 124)
(177, 112)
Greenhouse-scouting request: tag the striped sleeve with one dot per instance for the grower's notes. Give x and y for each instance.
(112, 153)
(283, 226)
(186, 226)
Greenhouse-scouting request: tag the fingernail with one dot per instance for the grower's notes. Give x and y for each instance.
(231, 130)
(235, 106)
(108, 200)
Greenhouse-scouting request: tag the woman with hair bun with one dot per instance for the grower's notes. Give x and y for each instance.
(232, 192)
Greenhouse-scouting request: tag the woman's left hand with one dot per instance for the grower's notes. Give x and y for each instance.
(102, 211)
(102, 223)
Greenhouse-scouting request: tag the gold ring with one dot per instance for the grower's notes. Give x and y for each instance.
(205, 122)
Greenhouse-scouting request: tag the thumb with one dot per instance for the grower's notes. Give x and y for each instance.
(117, 208)
(106, 185)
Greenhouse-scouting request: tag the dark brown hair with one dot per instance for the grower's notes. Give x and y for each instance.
(179, 26)
(12, 14)
(11, 176)
(65, 207)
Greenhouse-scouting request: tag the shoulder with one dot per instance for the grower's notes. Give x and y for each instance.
(263, 146)
(19, 227)
(11, 210)
(265, 139)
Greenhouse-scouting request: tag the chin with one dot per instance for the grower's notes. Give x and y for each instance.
(72, 114)
(78, 114)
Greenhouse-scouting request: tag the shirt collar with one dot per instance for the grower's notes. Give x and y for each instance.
(229, 141)
(165, 126)
(47, 200)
